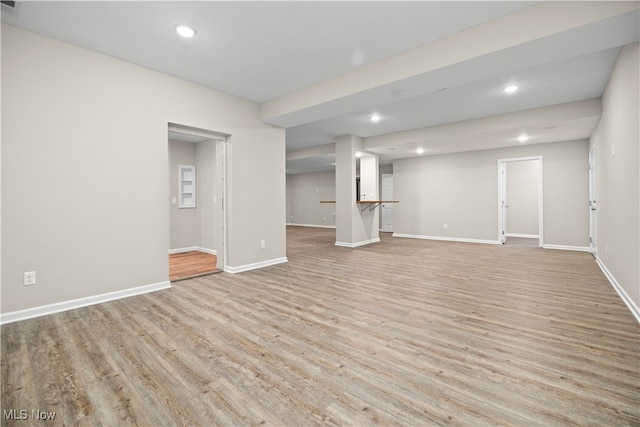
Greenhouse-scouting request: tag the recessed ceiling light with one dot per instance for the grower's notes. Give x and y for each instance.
(511, 89)
(358, 154)
(185, 31)
(375, 118)
(420, 150)
(523, 138)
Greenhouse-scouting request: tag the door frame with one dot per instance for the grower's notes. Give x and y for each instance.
(593, 201)
(221, 186)
(502, 194)
(222, 196)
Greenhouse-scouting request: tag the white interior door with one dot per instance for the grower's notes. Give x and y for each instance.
(593, 206)
(522, 198)
(502, 200)
(387, 208)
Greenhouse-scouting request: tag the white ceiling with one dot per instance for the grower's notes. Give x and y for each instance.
(320, 69)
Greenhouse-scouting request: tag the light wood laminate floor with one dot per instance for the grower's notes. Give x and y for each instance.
(187, 265)
(401, 332)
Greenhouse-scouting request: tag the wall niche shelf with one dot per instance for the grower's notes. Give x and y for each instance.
(186, 186)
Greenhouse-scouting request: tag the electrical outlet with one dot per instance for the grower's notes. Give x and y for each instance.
(29, 278)
(263, 244)
(446, 227)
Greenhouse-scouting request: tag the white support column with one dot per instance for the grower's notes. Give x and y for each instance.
(353, 227)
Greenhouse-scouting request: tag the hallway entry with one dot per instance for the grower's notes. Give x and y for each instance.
(520, 199)
(197, 188)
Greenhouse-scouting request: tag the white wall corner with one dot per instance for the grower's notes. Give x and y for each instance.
(356, 244)
(193, 248)
(207, 250)
(254, 266)
(182, 250)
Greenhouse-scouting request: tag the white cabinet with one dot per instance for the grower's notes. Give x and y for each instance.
(186, 186)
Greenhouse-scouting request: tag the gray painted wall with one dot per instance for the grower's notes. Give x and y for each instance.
(183, 222)
(616, 139)
(305, 191)
(85, 135)
(193, 227)
(206, 212)
(461, 190)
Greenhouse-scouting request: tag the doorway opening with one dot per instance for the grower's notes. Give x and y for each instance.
(197, 191)
(520, 196)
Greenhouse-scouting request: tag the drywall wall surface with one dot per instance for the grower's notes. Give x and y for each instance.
(183, 221)
(256, 179)
(206, 212)
(461, 191)
(306, 190)
(85, 135)
(616, 139)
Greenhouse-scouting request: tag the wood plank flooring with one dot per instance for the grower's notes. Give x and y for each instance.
(187, 265)
(401, 332)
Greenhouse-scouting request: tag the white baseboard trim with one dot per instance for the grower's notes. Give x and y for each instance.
(447, 239)
(526, 236)
(182, 250)
(207, 251)
(43, 310)
(191, 249)
(357, 244)
(635, 310)
(254, 266)
(567, 248)
(310, 225)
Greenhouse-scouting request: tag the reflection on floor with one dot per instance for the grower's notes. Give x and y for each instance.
(187, 265)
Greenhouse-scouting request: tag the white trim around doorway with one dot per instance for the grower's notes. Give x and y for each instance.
(502, 194)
